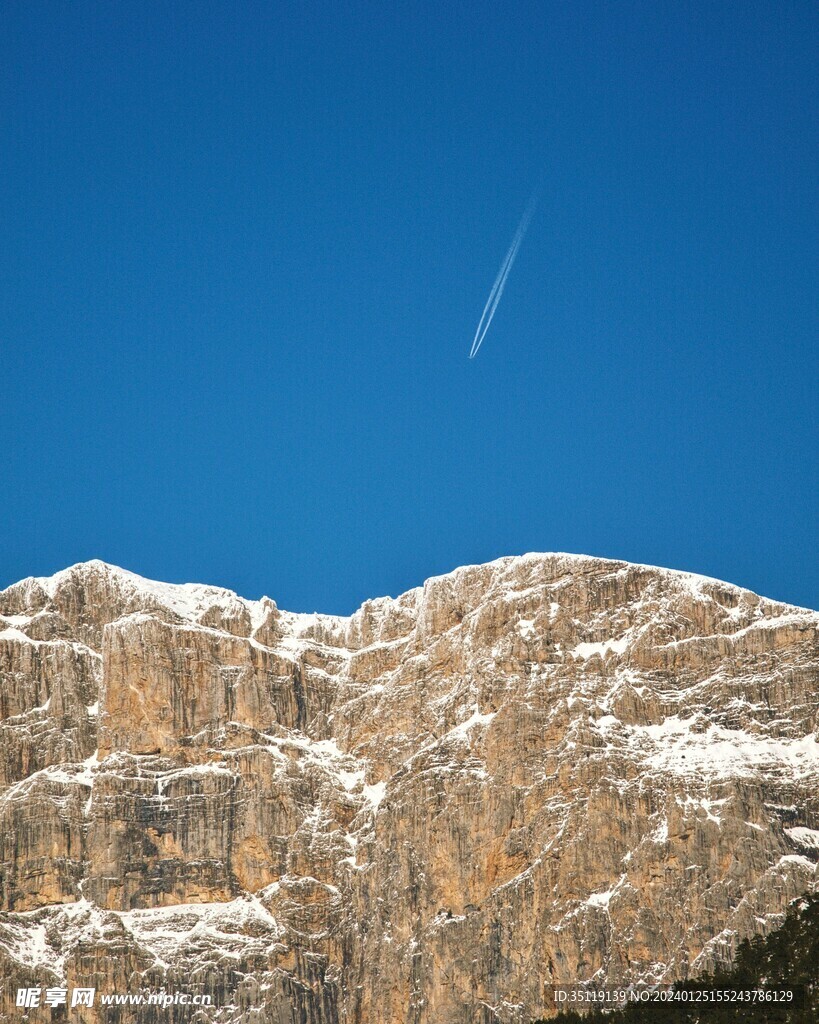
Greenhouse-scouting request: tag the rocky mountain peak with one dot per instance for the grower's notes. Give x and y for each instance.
(545, 769)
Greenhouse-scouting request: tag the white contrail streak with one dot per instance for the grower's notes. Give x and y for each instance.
(500, 280)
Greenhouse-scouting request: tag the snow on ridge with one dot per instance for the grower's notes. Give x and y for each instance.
(530, 556)
(719, 751)
(70, 773)
(230, 926)
(797, 860)
(12, 633)
(163, 929)
(50, 584)
(771, 622)
(790, 617)
(805, 837)
(16, 621)
(616, 564)
(692, 583)
(191, 771)
(188, 600)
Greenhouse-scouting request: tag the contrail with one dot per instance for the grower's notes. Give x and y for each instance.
(500, 280)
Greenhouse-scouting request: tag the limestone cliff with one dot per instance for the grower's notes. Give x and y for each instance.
(541, 770)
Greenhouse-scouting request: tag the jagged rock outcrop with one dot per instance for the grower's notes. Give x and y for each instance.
(537, 771)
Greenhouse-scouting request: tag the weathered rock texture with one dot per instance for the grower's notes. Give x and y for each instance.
(545, 769)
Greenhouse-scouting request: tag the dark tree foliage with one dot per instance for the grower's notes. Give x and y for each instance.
(786, 959)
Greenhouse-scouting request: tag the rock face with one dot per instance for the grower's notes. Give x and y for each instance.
(546, 769)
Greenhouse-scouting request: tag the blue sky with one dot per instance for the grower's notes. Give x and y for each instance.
(245, 248)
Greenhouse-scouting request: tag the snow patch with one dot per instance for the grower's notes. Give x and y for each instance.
(14, 634)
(797, 860)
(720, 752)
(375, 794)
(474, 720)
(807, 837)
(588, 650)
(16, 620)
(350, 780)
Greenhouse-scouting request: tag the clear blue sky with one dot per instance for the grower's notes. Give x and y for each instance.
(245, 247)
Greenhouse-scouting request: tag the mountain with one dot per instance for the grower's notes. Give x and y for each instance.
(546, 769)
